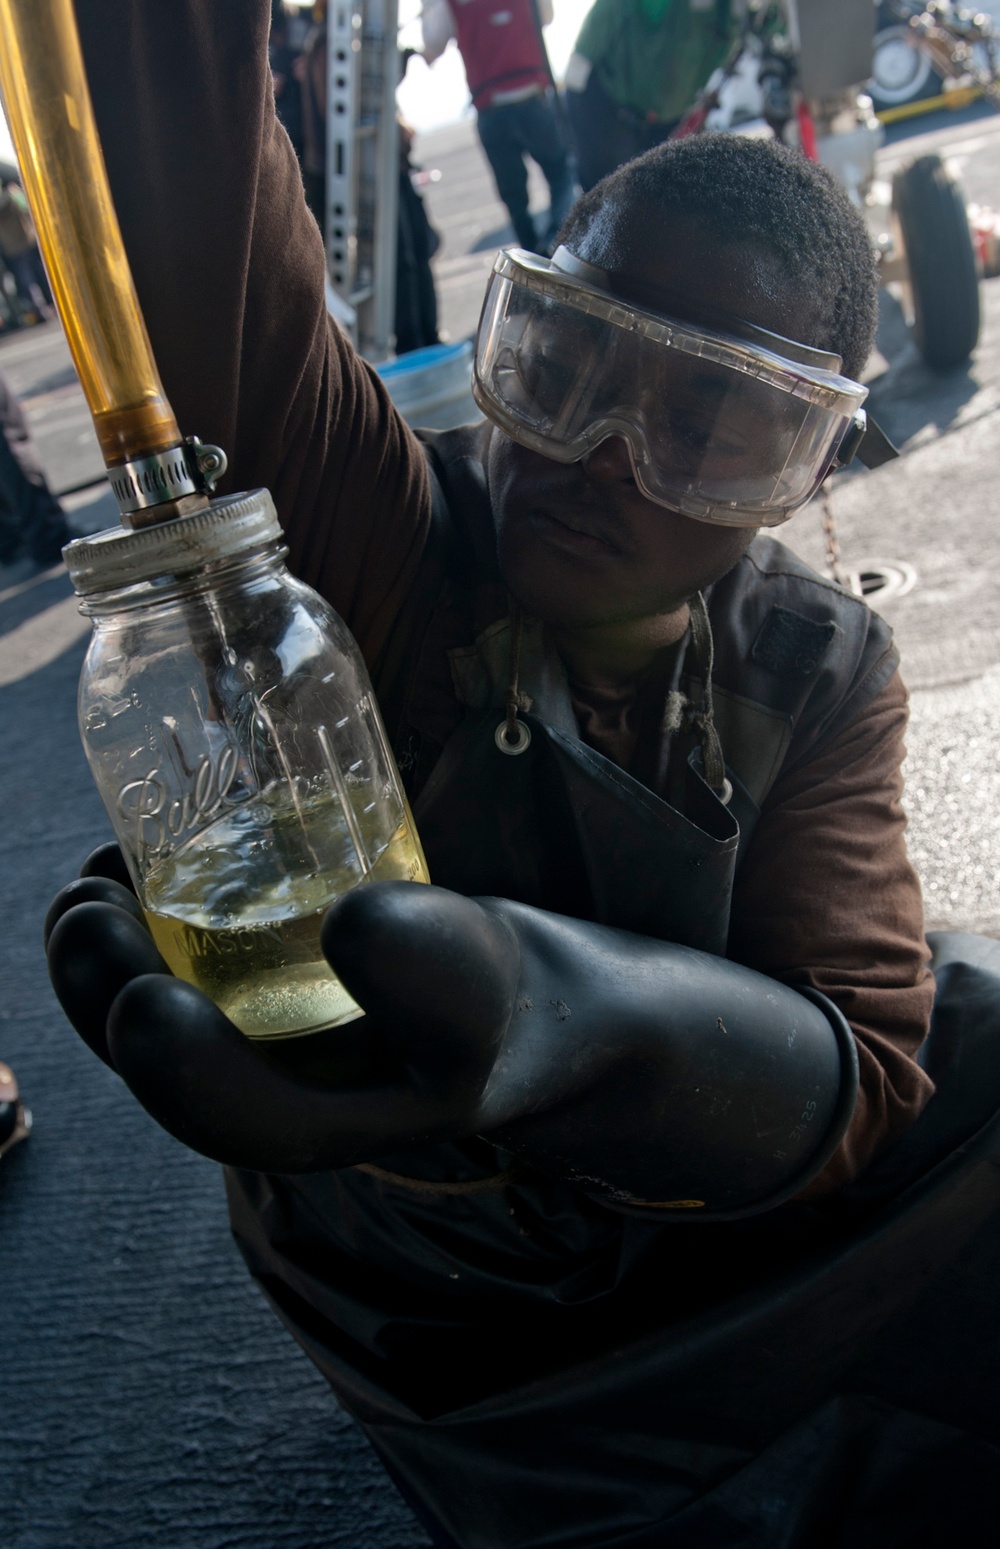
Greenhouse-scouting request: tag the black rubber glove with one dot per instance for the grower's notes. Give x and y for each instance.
(647, 1074)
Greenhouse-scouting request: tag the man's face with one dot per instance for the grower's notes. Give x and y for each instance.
(579, 545)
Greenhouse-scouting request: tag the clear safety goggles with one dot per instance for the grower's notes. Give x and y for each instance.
(724, 428)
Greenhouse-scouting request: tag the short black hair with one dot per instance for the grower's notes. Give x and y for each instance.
(759, 192)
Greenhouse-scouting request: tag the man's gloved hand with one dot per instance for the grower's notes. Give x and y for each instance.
(643, 1072)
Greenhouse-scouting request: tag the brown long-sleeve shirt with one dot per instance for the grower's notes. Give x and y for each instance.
(229, 268)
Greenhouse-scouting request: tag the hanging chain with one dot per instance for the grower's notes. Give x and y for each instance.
(834, 568)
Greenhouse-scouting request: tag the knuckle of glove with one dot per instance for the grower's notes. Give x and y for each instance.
(91, 889)
(197, 1075)
(94, 950)
(107, 861)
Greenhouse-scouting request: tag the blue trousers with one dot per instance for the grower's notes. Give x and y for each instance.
(509, 133)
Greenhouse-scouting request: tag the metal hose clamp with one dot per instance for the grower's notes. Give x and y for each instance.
(193, 468)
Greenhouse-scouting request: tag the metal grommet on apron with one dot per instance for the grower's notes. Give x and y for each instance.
(516, 743)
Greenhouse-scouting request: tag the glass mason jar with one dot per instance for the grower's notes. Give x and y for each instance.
(231, 728)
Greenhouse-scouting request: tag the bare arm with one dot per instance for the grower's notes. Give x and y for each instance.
(437, 27)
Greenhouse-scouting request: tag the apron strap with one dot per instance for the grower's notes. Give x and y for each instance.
(514, 736)
(704, 719)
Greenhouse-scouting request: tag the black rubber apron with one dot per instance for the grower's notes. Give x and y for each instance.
(540, 1372)
(561, 827)
(518, 807)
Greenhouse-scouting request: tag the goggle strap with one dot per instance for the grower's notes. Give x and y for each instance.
(875, 447)
(803, 354)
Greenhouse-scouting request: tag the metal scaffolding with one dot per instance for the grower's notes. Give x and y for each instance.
(362, 176)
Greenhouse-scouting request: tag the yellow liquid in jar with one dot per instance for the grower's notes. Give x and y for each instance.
(237, 912)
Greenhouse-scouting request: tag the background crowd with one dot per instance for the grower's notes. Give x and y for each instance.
(637, 66)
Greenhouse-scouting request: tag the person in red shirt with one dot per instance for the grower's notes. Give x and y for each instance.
(511, 85)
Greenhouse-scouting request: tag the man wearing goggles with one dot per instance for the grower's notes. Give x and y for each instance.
(672, 970)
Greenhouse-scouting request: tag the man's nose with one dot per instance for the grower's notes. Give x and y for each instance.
(609, 462)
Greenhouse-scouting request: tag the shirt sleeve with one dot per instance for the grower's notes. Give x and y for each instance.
(230, 271)
(827, 896)
(598, 30)
(437, 27)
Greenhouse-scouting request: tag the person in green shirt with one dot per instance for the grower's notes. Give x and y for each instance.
(637, 66)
